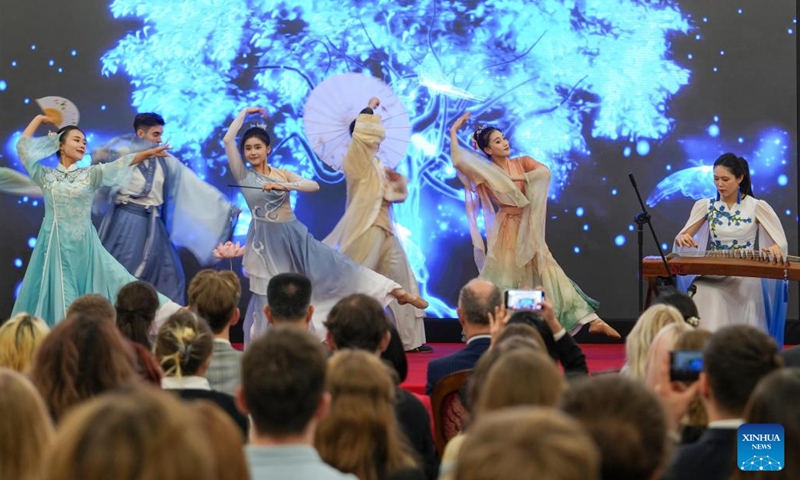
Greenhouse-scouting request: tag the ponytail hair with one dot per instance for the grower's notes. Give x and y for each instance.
(184, 344)
(739, 167)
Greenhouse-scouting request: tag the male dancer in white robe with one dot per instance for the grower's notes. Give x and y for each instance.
(366, 233)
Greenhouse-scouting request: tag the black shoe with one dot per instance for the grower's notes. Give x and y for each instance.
(421, 349)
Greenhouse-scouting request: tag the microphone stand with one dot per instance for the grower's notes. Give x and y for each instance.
(641, 219)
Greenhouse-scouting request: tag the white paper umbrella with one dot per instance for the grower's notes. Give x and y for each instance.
(62, 111)
(337, 101)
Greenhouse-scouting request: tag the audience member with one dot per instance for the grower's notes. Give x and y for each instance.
(673, 297)
(477, 301)
(359, 322)
(638, 341)
(93, 305)
(735, 359)
(140, 433)
(695, 421)
(136, 307)
(523, 443)
(560, 345)
(627, 424)
(25, 430)
(183, 348)
(661, 346)
(775, 401)
(224, 435)
(20, 336)
(82, 357)
(214, 295)
(521, 330)
(360, 434)
(289, 297)
(283, 390)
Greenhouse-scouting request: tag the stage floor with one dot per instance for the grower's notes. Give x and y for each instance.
(599, 357)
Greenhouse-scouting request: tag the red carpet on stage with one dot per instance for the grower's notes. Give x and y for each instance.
(599, 357)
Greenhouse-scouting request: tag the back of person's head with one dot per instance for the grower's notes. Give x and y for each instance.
(774, 401)
(82, 357)
(26, 429)
(136, 307)
(214, 295)
(735, 359)
(477, 380)
(683, 302)
(360, 434)
(289, 297)
(93, 305)
(19, 338)
(662, 344)
(224, 435)
(522, 443)
(283, 381)
(395, 355)
(143, 121)
(184, 344)
(638, 341)
(138, 434)
(535, 321)
(358, 321)
(477, 299)
(627, 423)
(521, 377)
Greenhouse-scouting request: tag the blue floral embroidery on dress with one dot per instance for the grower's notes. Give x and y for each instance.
(718, 216)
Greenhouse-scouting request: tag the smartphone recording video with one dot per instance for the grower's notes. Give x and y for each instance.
(685, 366)
(524, 299)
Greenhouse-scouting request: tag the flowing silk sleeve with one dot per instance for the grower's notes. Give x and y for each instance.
(15, 183)
(200, 216)
(113, 174)
(531, 237)
(776, 292)
(367, 137)
(32, 150)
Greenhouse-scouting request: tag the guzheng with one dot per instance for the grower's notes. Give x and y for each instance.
(741, 264)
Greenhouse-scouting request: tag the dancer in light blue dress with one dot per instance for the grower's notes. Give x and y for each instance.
(69, 260)
(278, 242)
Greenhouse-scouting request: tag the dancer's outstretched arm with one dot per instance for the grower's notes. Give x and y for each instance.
(296, 182)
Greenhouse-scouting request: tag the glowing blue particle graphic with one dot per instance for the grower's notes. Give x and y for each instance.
(32, 242)
(585, 227)
(668, 168)
(664, 247)
(3, 85)
(713, 130)
(18, 262)
(103, 108)
(788, 212)
(576, 249)
(790, 31)
(739, 11)
(740, 140)
(631, 228)
(26, 101)
(579, 212)
(783, 180)
(51, 62)
(272, 53)
(13, 63)
(619, 240)
(614, 192)
(74, 53)
(643, 147)
(626, 151)
(690, 56)
(33, 47)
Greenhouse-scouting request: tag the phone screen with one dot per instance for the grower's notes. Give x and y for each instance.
(524, 299)
(685, 366)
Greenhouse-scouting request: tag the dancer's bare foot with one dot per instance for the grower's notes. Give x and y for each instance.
(601, 327)
(403, 298)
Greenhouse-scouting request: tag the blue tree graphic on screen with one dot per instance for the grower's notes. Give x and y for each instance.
(550, 73)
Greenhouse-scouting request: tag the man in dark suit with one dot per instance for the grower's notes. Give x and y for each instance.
(735, 359)
(476, 301)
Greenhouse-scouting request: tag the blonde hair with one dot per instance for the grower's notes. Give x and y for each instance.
(360, 435)
(184, 344)
(526, 442)
(520, 377)
(26, 429)
(19, 337)
(139, 434)
(637, 344)
(660, 348)
(694, 339)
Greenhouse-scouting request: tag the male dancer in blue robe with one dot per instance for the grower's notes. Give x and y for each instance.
(165, 205)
